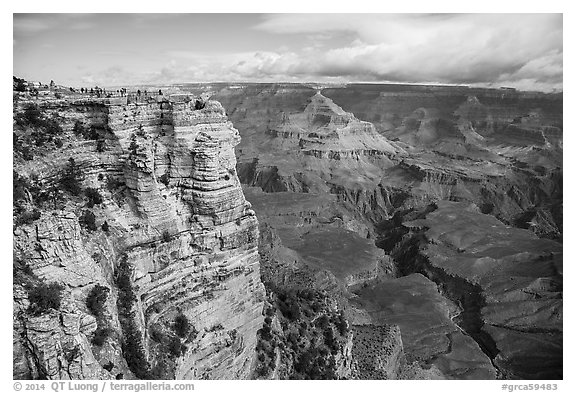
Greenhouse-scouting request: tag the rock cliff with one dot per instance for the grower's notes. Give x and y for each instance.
(140, 198)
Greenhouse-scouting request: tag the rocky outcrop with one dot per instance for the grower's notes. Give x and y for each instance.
(175, 217)
(321, 138)
(54, 345)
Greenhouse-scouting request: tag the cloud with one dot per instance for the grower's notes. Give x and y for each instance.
(516, 50)
(31, 24)
(545, 68)
(452, 48)
(24, 24)
(111, 76)
(145, 20)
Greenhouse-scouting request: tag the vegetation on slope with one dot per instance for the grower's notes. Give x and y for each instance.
(33, 129)
(305, 327)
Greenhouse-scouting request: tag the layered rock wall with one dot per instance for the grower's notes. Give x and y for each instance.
(177, 218)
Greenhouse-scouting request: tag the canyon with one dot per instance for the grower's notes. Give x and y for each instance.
(289, 231)
(437, 209)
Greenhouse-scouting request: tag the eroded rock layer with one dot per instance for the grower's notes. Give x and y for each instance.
(172, 238)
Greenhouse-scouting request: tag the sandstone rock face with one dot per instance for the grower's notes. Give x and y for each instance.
(54, 345)
(177, 218)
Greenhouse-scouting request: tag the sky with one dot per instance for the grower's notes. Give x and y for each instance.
(514, 50)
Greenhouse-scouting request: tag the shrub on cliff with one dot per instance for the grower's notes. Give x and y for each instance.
(311, 334)
(289, 307)
(266, 332)
(132, 347)
(199, 104)
(262, 370)
(28, 217)
(31, 116)
(71, 178)
(140, 131)
(20, 185)
(97, 299)
(88, 220)
(156, 334)
(175, 347)
(44, 297)
(181, 325)
(164, 179)
(19, 84)
(126, 296)
(52, 126)
(133, 350)
(100, 335)
(93, 132)
(341, 324)
(330, 340)
(133, 147)
(100, 145)
(164, 369)
(316, 363)
(24, 151)
(72, 354)
(113, 184)
(166, 237)
(44, 129)
(78, 128)
(94, 197)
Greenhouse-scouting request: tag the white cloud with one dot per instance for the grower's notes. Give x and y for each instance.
(30, 24)
(469, 48)
(524, 51)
